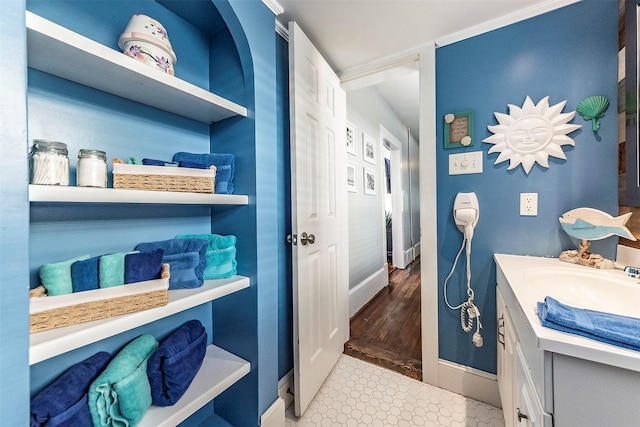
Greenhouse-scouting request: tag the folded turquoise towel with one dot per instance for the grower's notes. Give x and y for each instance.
(220, 256)
(121, 395)
(610, 328)
(56, 277)
(112, 269)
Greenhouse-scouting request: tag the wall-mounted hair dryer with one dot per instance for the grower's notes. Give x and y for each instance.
(466, 212)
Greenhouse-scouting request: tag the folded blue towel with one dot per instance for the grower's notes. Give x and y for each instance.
(622, 331)
(187, 269)
(192, 165)
(221, 254)
(112, 269)
(143, 266)
(85, 274)
(176, 362)
(56, 277)
(224, 163)
(64, 401)
(120, 395)
(184, 268)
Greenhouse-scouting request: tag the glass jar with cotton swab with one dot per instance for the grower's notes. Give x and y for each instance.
(49, 163)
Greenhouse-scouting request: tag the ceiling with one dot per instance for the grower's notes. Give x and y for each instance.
(353, 35)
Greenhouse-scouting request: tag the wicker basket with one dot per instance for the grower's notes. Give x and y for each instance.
(50, 312)
(163, 178)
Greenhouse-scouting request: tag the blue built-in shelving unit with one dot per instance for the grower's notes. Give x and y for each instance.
(81, 90)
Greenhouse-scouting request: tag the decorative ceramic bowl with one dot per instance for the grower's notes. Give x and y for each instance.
(150, 54)
(145, 39)
(142, 27)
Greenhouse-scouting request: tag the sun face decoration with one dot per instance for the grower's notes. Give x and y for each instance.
(531, 134)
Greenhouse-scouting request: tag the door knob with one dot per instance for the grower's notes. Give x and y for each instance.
(307, 238)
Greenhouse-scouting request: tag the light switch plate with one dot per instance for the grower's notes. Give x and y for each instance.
(465, 163)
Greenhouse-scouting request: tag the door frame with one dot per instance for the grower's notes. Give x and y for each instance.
(426, 55)
(397, 199)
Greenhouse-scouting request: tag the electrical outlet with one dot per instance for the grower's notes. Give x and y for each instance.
(528, 204)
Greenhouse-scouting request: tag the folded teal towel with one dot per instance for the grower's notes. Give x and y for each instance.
(622, 331)
(112, 269)
(56, 277)
(220, 256)
(121, 395)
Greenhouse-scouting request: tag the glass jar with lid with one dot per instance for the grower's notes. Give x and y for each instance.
(49, 163)
(92, 168)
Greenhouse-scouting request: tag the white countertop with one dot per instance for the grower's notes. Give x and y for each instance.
(514, 268)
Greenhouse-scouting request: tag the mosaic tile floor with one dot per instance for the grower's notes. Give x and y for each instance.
(358, 393)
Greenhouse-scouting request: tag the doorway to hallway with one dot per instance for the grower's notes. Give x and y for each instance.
(387, 330)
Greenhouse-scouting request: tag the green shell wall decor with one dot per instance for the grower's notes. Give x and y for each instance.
(593, 108)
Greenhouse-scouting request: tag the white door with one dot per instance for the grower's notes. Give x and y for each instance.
(319, 217)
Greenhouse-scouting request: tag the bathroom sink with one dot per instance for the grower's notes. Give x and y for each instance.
(601, 290)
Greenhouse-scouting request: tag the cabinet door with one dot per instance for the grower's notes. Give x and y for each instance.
(506, 360)
(528, 410)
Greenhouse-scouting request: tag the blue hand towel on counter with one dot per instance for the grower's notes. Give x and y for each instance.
(85, 275)
(63, 403)
(187, 258)
(224, 163)
(174, 365)
(622, 331)
(221, 254)
(121, 395)
(143, 266)
(112, 269)
(56, 277)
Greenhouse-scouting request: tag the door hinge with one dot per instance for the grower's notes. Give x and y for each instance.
(292, 239)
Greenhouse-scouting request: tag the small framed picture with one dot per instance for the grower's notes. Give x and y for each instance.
(370, 183)
(352, 132)
(458, 129)
(368, 148)
(352, 177)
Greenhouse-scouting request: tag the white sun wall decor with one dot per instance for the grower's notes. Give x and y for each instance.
(531, 134)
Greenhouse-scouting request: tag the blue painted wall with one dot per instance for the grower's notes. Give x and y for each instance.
(568, 54)
(285, 290)
(14, 219)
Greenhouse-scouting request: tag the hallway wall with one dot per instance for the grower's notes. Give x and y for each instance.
(367, 110)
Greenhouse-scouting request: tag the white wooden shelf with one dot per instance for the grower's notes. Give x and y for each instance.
(219, 371)
(47, 344)
(72, 194)
(61, 52)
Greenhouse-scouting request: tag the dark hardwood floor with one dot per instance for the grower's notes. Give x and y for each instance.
(386, 331)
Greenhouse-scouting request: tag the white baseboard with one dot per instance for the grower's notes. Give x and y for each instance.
(416, 250)
(367, 289)
(274, 415)
(408, 257)
(469, 382)
(285, 388)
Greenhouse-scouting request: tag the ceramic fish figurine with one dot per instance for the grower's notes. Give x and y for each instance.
(592, 224)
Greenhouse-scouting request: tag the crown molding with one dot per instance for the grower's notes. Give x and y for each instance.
(282, 31)
(503, 21)
(274, 6)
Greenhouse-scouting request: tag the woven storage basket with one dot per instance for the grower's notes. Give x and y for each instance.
(163, 178)
(64, 310)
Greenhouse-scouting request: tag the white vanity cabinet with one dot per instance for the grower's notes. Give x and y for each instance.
(506, 359)
(521, 402)
(557, 379)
